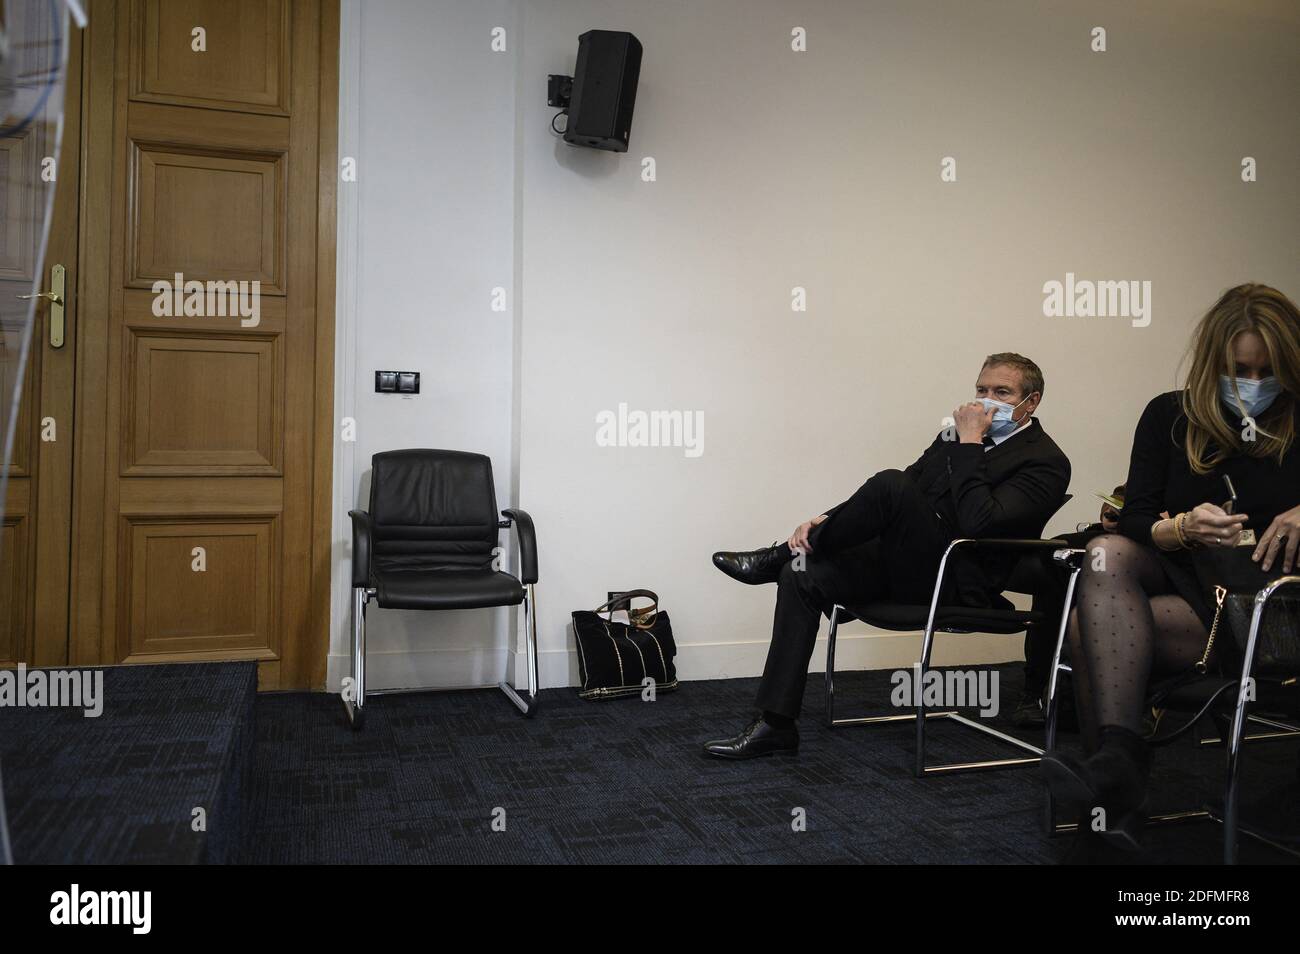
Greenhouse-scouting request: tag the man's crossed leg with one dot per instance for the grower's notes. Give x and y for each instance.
(884, 542)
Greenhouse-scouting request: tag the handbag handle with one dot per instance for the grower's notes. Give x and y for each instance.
(641, 619)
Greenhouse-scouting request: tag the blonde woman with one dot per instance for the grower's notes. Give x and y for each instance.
(1141, 612)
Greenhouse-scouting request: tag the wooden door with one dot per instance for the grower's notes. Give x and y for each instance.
(201, 506)
(34, 533)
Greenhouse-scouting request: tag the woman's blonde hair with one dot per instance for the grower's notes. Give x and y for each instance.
(1210, 439)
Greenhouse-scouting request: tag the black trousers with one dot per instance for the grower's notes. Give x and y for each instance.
(885, 542)
(1047, 583)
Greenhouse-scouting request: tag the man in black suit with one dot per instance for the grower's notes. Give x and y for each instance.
(994, 473)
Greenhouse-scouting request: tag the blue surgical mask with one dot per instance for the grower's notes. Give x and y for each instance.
(1256, 396)
(1003, 424)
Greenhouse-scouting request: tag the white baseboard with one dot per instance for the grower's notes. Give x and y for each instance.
(428, 669)
(858, 648)
(855, 650)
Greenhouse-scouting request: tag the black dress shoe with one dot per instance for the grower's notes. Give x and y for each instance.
(753, 566)
(758, 738)
(1028, 713)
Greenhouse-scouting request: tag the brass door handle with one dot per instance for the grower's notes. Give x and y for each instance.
(58, 274)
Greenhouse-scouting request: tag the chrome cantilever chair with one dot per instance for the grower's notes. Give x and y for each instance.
(950, 619)
(430, 542)
(1231, 823)
(1211, 697)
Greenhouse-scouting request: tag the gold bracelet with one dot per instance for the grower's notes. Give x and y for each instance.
(1177, 538)
(1178, 529)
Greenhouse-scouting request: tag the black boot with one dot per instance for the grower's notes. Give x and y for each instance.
(1114, 779)
(1089, 847)
(754, 566)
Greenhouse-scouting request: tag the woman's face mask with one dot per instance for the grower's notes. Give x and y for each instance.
(1256, 396)
(1003, 421)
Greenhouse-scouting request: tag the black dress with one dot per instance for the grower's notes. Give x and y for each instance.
(1160, 479)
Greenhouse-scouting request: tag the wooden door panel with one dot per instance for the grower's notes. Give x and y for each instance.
(246, 66)
(175, 610)
(20, 160)
(177, 187)
(208, 437)
(15, 563)
(34, 531)
(144, 496)
(197, 404)
(20, 460)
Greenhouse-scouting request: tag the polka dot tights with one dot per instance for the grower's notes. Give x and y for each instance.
(1127, 626)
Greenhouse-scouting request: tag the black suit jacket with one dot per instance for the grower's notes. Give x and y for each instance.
(1010, 490)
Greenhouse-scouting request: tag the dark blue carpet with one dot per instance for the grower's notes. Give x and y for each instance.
(623, 782)
(121, 788)
(584, 782)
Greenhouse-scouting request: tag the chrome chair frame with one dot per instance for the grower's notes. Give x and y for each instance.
(362, 595)
(1231, 823)
(1237, 737)
(920, 716)
(6, 847)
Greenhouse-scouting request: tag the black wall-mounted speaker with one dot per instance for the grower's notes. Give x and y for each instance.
(604, 90)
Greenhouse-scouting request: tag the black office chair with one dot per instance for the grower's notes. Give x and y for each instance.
(949, 619)
(430, 542)
(1224, 700)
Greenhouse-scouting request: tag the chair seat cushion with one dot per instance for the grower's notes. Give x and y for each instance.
(440, 588)
(906, 617)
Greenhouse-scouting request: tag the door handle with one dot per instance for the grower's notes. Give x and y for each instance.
(58, 276)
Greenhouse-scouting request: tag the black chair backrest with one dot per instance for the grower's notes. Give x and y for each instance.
(1059, 507)
(433, 509)
(1031, 571)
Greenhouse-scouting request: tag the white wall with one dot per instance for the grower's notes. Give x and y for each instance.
(819, 169)
(426, 232)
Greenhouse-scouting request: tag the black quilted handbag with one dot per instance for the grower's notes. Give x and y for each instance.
(615, 658)
(1234, 580)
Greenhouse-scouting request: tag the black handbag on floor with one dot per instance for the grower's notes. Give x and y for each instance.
(614, 658)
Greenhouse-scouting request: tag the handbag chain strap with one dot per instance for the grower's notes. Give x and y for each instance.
(1220, 594)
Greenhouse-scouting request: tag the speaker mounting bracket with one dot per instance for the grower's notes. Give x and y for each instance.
(559, 90)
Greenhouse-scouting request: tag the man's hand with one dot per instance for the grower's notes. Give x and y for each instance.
(799, 539)
(1211, 525)
(973, 422)
(1282, 536)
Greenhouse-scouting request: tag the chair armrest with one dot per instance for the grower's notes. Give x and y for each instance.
(1008, 543)
(1069, 558)
(1063, 554)
(361, 545)
(987, 543)
(1264, 595)
(527, 544)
